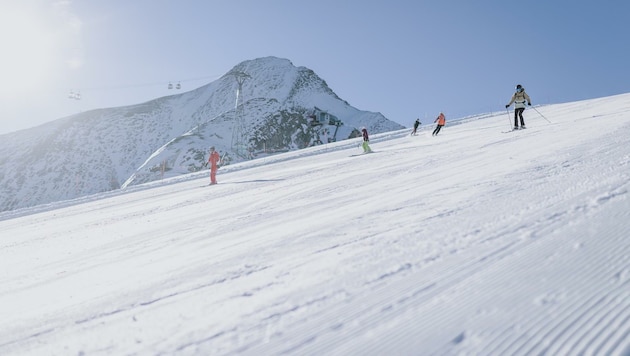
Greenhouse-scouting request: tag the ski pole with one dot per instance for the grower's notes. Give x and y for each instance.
(509, 120)
(541, 115)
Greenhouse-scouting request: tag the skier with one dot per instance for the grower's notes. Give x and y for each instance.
(441, 121)
(213, 160)
(415, 126)
(519, 98)
(366, 141)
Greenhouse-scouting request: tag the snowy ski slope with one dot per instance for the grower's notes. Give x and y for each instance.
(471, 242)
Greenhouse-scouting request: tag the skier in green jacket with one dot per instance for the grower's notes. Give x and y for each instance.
(366, 141)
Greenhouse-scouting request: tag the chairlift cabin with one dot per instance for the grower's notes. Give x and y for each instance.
(178, 86)
(170, 86)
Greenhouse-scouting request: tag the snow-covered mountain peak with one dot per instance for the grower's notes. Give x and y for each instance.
(106, 149)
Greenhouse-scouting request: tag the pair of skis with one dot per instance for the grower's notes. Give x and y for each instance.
(515, 129)
(362, 154)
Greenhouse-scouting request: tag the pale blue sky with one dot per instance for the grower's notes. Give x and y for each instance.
(405, 59)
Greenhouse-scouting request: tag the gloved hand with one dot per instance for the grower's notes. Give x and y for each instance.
(507, 106)
(529, 104)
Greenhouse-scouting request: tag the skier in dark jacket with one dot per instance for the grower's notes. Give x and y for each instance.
(415, 126)
(519, 98)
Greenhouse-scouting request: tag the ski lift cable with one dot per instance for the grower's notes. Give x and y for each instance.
(128, 86)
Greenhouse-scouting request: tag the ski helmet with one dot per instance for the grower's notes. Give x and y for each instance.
(518, 86)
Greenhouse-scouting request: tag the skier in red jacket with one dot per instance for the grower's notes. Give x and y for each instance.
(214, 160)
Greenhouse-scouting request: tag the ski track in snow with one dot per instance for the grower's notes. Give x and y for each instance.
(471, 242)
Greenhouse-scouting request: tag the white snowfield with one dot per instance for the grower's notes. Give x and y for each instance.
(473, 242)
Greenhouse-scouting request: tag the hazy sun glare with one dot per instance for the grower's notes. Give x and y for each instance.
(27, 49)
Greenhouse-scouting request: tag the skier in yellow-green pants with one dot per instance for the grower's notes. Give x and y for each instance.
(366, 141)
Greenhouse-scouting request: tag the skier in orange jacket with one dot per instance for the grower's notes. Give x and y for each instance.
(214, 160)
(441, 121)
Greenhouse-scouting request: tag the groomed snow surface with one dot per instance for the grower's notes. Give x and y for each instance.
(471, 242)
